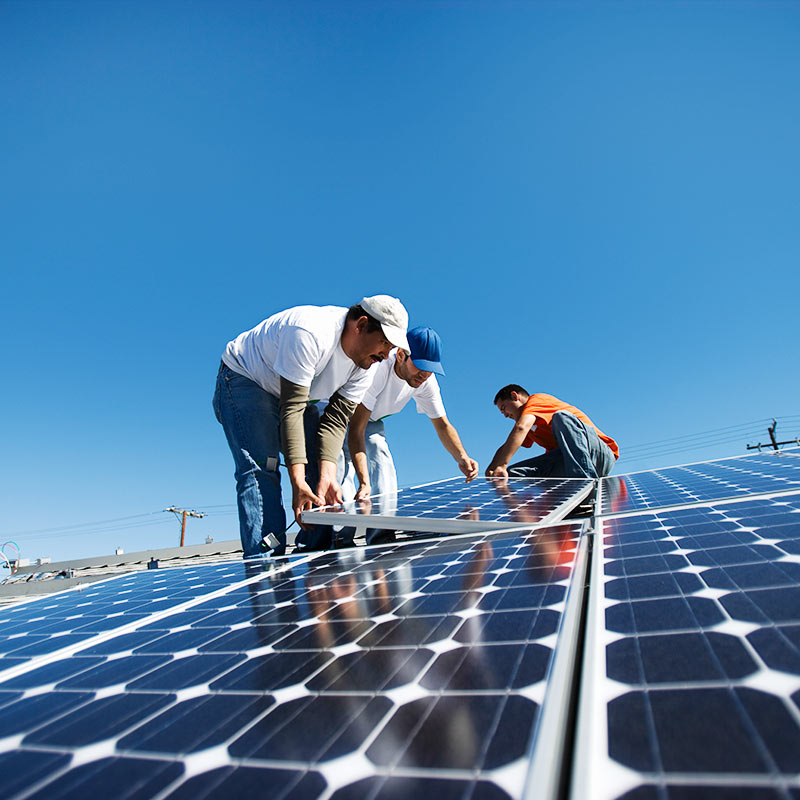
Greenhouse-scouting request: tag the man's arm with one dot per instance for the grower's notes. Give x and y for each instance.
(452, 443)
(332, 428)
(504, 454)
(358, 450)
(293, 440)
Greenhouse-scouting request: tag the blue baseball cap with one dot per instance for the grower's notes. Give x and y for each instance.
(425, 348)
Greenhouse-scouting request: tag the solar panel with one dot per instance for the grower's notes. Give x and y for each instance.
(380, 672)
(691, 679)
(453, 506)
(38, 627)
(697, 483)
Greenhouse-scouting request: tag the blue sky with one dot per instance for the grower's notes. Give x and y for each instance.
(595, 200)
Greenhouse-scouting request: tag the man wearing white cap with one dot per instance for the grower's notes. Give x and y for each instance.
(406, 374)
(269, 381)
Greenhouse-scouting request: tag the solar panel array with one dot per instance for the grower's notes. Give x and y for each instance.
(697, 483)
(35, 629)
(691, 678)
(420, 667)
(453, 666)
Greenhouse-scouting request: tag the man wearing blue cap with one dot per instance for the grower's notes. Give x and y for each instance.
(399, 378)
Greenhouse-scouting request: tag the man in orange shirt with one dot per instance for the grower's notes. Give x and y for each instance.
(575, 447)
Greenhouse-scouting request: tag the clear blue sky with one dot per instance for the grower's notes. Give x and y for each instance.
(596, 200)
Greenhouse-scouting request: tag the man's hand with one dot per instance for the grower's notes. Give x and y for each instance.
(496, 471)
(303, 499)
(328, 489)
(364, 493)
(469, 466)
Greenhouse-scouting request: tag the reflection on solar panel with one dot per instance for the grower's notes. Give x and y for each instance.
(697, 483)
(692, 670)
(467, 667)
(414, 668)
(453, 506)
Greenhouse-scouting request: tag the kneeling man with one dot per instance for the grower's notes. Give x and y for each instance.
(575, 447)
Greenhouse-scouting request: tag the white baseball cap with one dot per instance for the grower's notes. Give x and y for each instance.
(391, 314)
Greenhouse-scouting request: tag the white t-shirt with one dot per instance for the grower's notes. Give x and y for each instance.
(389, 393)
(303, 345)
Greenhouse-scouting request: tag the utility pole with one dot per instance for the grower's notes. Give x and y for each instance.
(184, 513)
(774, 443)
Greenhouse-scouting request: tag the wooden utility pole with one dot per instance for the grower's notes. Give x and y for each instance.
(774, 443)
(184, 513)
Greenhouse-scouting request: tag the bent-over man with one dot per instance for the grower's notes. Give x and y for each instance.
(269, 381)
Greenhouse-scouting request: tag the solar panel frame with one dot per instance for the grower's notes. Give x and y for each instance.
(347, 513)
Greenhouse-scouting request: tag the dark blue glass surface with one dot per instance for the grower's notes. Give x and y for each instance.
(380, 655)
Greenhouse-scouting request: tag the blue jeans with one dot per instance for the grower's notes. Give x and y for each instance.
(581, 453)
(251, 420)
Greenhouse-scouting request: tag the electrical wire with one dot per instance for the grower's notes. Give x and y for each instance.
(699, 441)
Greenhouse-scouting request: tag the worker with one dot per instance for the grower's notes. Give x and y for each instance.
(574, 446)
(268, 385)
(406, 374)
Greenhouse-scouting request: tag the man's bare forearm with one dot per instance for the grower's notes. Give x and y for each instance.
(506, 450)
(449, 437)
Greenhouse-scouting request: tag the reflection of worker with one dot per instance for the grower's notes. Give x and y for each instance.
(575, 447)
(268, 381)
(396, 381)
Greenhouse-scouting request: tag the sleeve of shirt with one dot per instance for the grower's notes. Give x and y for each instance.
(429, 399)
(293, 438)
(298, 355)
(332, 427)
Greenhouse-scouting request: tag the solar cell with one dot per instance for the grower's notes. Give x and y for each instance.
(728, 478)
(420, 667)
(453, 506)
(691, 682)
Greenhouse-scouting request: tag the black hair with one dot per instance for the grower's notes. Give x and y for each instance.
(356, 312)
(505, 392)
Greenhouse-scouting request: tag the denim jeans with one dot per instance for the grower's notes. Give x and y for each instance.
(251, 420)
(581, 453)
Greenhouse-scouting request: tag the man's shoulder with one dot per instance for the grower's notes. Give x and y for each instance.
(322, 323)
(543, 396)
(430, 388)
(310, 316)
(541, 400)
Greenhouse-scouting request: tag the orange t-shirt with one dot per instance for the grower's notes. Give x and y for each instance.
(543, 406)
